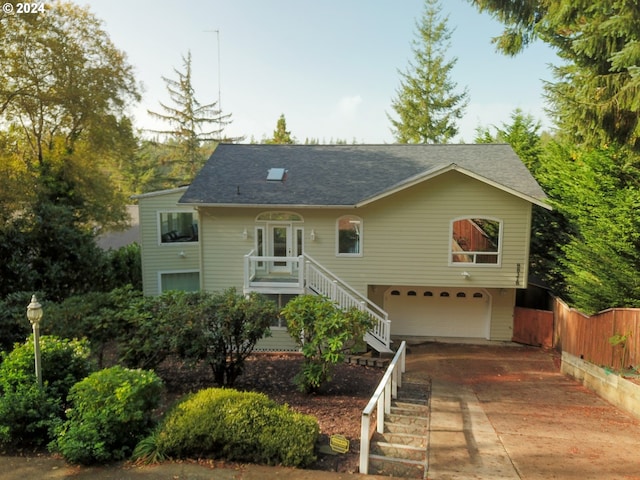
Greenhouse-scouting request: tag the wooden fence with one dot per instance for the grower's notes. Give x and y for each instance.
(533, 327)
(588, 337)
(584, 336)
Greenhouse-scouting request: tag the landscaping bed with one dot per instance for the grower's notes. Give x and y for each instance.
(337, 407)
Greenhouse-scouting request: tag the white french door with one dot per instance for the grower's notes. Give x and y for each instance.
(280, 245)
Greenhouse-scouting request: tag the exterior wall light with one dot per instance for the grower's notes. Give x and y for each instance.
(245, 234)
(34, 314)
(312, 235)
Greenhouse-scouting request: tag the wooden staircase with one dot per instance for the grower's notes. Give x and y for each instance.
(401, 450)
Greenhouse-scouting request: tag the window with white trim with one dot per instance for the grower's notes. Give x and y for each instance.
(476, 240)
(349, 236)
(178, 227)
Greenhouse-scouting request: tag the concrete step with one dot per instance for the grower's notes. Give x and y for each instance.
(403, 408)
(399, 451)
(420, 423)
(396, 467)
(406, 427)
(409, 439)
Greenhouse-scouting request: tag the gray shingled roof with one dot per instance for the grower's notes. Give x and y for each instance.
(341, 175)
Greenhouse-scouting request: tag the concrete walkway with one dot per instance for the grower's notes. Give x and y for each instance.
(462, 441)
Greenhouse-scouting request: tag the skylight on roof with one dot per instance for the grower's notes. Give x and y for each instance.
(276, 174)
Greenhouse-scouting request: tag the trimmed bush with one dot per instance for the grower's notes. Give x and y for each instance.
(111, 411)
(28, 413)
(239, 426)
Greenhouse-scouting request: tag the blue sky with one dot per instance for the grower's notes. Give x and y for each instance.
(330, 67)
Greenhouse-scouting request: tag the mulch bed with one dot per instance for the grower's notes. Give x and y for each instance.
(338, 406)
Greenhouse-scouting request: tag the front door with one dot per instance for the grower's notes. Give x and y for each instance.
(280, 236)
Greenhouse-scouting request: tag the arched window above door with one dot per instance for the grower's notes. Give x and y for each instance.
(279, 217)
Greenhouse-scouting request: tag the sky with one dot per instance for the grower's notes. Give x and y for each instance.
(331, 67)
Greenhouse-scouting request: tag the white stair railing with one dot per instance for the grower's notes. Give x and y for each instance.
(381, 402)
(323, 282)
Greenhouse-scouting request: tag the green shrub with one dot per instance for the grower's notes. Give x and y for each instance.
(240, 426)
(28, 413)
(220, 328)
(14, 326)
(325, 334)
(111, 411)
(97, 316)
(28, 416)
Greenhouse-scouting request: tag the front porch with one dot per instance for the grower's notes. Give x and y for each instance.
(300, 275)
(277, 275)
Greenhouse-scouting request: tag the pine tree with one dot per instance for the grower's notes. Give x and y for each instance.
(426, 104)
(596, 93)
(190, 124)
(281, 135)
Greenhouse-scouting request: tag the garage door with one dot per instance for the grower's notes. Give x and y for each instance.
(438, 312)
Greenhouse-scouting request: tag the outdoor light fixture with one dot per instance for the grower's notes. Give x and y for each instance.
(312, 235)
(245, 235)
(34, 314)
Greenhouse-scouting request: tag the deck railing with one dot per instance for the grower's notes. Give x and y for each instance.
(302, 274)
(260, 274)
(325, 283)
(381, 402)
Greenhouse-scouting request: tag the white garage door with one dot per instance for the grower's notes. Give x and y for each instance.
(438, 312)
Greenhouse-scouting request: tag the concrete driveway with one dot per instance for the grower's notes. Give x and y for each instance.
(506, 412)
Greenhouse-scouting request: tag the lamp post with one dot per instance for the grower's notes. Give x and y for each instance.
(34, 314)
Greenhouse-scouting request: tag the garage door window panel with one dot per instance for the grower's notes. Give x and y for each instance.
(476, 241)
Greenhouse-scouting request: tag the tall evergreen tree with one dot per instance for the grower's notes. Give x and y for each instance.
(548, 228)
(190, 124)
(426, 104)
(281, 135)
(598, 191)
(596, 93)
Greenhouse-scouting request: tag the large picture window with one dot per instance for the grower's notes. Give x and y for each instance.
(476, 241)
(178, 227)
(349, 235)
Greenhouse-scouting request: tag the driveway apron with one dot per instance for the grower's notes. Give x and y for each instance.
(506, 412)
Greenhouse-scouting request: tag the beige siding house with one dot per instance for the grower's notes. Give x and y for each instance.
(431, 240)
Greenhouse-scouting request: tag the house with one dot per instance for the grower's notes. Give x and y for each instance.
(431, 240)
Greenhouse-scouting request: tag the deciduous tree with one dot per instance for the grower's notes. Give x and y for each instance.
(63, 90)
